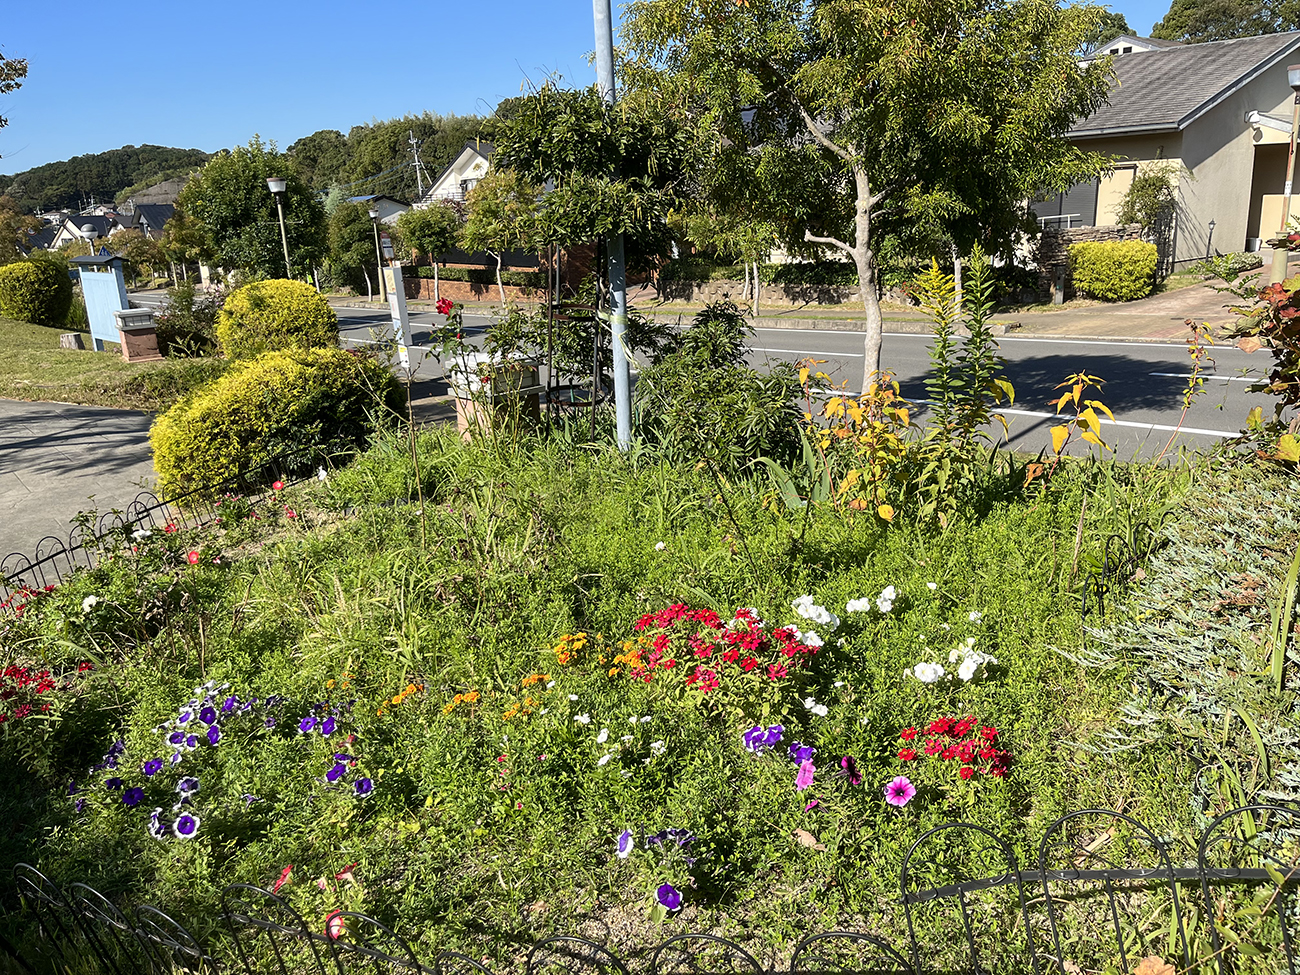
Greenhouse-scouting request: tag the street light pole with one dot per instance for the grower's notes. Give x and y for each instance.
(379, 257)
(1281, 253)
(277, 184)
(617, 266)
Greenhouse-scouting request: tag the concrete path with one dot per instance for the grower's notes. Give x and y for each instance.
(57, 460)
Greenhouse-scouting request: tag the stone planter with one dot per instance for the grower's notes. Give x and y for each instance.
(489, 395)
(137, 335)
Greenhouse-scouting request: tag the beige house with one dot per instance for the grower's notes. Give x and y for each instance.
(460, 177)
(1219, 112)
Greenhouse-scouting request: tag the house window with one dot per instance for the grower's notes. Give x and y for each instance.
(1128, 50)
(1113, 50)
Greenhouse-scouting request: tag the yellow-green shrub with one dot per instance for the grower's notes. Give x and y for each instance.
(269, 315)
(1113, 270)
(265, 407)
(36, 289)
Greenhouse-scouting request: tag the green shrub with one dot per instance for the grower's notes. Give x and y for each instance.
(1228, 266)
(486, 275)
(264, 407)
(188, 325)
(36, 289)
(267, 316)
(1113, 270)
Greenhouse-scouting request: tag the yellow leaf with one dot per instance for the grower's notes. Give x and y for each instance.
(1059, 436)
(1091, 437)
(1098, 404)
(886, 512)
(803, 376)
(1006, 388)
(1090, 417)
(1288, 448)
(905, 417)
(1255, 417)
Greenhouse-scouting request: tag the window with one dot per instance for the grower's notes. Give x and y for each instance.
(1128, 50)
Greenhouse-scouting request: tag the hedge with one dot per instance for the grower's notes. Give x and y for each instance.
(36, 289)
(475, 275)
(267, 316)
(264, 407)
(1114, 270)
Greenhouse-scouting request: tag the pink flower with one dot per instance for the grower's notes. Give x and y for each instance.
(899, 792)
(192, 558)
(278, 486)
(805, 776)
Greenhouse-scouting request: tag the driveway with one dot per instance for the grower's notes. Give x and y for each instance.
(57, 460)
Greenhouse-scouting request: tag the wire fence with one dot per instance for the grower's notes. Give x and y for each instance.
(1105, 895)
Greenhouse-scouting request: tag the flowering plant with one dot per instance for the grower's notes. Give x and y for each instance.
(969, 664)
(948, 744)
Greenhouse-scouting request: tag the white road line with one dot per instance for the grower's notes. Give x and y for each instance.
(1094, 343)
(1130, 423)
(853, 355)
(1188, 375)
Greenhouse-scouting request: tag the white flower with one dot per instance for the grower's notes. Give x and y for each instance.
(658, 747)
(932, 586)
(604, 758)
(321, 474)
(88, 603)
(944, 626)
(582, 718)
(645, 719)
(814, 707)
(885, 601)
(627, 738)
(550, 684)
(808, 639)
(660, 546)
(928, 673)
(809, 610)
(573, 697)
(141, 533)
(632, 720)
(862, 605)
(967, 669)
(976, 616)
(603, 736)
(839, 683)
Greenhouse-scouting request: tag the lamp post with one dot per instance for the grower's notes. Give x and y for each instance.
(277, 184)
(379, 257)
(1277, 273)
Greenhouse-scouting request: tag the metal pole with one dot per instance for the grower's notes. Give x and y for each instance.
(284, 238)
(1277, 273)
(617, 267)
(379, 260)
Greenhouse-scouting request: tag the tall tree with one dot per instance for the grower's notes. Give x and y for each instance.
(1110, 24)
(501, 216)
(185, 242)
(1197, 21)
(431, 231)
(863, 113)
(321, 158)
(352, 256)
(230, 199)
(12, 73)
(381, 160)
(15, 226)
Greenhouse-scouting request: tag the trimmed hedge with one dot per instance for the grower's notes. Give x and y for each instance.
(1114, 270)
(264, 407)
(475, 275)
(36, 289)
(267, 316)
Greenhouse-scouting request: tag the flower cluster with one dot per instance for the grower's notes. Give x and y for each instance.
(884, 602)
(24, 691)
(674, 839)
(710, 651)
(470, 697)
(759, 739)
(972, 746)
(969, 664)
(568, 647)
(820, 615)
(199, 721)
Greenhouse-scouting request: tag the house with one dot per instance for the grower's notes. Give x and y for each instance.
(1128, 44)
(150, 218)
(1219, 114)
(84, 226)
(389, 207)
(460, 176)
(38, 239)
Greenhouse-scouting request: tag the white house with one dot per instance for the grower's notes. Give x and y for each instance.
(461, 176)
(390, 208)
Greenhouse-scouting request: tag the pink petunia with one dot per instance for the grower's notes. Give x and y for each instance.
(805, 776)
(899, 792)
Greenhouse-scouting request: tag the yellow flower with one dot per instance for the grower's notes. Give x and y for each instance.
(471, 697)
(410, 689)
(329, 684)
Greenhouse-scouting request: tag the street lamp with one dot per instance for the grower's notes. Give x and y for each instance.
(379, 257)
(1277, 273)
(277, 185)
(89, 231)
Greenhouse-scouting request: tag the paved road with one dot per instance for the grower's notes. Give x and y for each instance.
(1144, 380)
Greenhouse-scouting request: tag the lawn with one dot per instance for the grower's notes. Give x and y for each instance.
(34, 367)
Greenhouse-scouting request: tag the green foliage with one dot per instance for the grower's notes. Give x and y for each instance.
(320, 158)
(1272, 322)
(36, 289)
(352, 253)
(230, 199)
(185, 240)
(277, 403)
(501, 215)
(1197, 21)
(1113, 270)
(1228, 266)
(482, 275)
(702, 400)
(187, 325)
(1151, 195)
(266, 316)
(67, 184)
(15, 227)
(1110, 24)
(431, 231)
(383, 150)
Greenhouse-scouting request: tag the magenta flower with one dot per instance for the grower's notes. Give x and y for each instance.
(805, 776)
(899, 792)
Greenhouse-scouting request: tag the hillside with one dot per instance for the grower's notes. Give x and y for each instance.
(102, 175)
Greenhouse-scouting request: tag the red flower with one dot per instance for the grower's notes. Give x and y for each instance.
(907, 734)
(940, 726)
(988, 734)
(192, 558)
(933, 748)
(962, 728)
(949, 753)
(444, 306)
(278, 486)
(169, 527)
(907, 754)
(966, 771)
(748, 664)
(776, 671)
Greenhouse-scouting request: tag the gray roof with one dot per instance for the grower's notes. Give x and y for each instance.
(102, 224)
(1166, 90)
(155, 215)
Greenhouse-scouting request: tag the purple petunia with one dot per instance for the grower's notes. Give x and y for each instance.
(625, 844)
(899, 792)
(157, 828)
(208, 715)
(184, 717)
(363, 787)
(192, 742)
(759, 739)
(228, 704)
(337, 772)
(214, 734)
(187, 786)
(849, 768)
(805, 776)
(133, 796)
(152, 767)
(177, 738)
(327, 727)
(773, 736)
(186, 825)
(799, 752)
(72, 788)
(669, 896)
(113, 783)
(306, 724)
(79, 805)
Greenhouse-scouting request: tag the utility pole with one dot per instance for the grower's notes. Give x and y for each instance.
(617, 266)
(415, 152)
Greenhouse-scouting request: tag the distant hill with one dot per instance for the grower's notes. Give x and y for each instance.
(103, 175)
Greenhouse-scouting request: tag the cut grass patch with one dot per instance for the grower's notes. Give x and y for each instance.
(33, 367)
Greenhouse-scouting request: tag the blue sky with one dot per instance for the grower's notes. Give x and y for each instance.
(210, 75)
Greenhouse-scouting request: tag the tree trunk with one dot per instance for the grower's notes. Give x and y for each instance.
(370, 294)
(500, 287)
(744, 290)
(758, 286)
(436, 296)
(957, 300)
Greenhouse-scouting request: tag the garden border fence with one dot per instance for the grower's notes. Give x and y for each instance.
(1241, 847)
(55, 557)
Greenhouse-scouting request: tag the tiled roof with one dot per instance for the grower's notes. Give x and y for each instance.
(155, 215)
(1167, 89)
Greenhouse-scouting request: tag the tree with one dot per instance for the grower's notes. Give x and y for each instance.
(381, 160)
(863, 115)
(14, 228)
(12, 73)
(1197, 21)
(142, 252)
(431, 231)
(321, 158)
(1110, 24)
(352, 244)
(230, 199)
(184, 241)
(501, 215)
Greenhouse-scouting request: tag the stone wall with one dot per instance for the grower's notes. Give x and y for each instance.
(422, 288)
(1053, 251)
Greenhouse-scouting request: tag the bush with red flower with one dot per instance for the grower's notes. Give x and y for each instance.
(948, 751)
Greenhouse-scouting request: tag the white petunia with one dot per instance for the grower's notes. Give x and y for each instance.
(862, 605)
(976, 616)
(582, 718)
(645, 719)
(885, 601)
(626, 738)
(140, 534)
(967, 669)
(573, 697)
(550, 684)
(660, 546)
(817, 709)
(604, 758)
(603, 736)
(928, 673)
(932, 586)
(89, 603)
(809, 638)
(839, 683)
(658, 747)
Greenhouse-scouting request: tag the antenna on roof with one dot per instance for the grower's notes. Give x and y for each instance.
(414, 152)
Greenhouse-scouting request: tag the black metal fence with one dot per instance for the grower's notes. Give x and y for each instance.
(54, 558)
(1104, 894)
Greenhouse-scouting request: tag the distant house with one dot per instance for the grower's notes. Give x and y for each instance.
(460, 176)
(1129, 44)
(38, 239)
(85, 226)
(150, 218)
(389, 207)
(1221, 113)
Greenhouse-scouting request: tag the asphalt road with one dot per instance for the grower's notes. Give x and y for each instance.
(1144, 380)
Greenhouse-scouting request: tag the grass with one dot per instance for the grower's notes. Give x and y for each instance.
(493, 821)
(34, 367)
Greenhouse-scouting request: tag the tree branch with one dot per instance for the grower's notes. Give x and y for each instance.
(809, 236)
(818, 134)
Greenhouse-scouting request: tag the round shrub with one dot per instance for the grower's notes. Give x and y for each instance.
(1114, 270)
(36, 289)
(263, 408)
(267, 316)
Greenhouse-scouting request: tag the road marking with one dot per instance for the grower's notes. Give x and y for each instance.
(1188, 375)
(1102, 342)
(1130, 423)
(759, 348)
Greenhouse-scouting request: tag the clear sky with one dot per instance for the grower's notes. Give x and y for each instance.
(210, 75)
